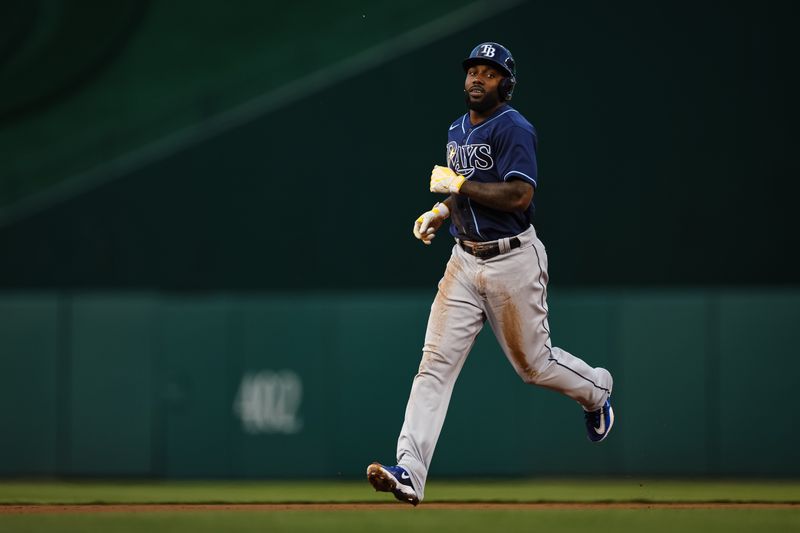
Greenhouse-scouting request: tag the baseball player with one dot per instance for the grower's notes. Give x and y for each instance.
(497, 272)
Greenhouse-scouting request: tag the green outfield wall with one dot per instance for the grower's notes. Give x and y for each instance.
(314, 385)
(206, 259)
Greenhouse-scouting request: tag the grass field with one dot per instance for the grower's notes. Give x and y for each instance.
(561, 506)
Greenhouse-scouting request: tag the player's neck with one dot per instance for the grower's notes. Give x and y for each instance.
(476, 117)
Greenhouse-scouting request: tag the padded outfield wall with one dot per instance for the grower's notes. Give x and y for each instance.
(205, 309)
(314, 385)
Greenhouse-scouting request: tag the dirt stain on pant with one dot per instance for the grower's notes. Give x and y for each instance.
(515, 341)
(438, 319)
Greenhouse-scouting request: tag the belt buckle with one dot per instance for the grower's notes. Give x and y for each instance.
(484, 250)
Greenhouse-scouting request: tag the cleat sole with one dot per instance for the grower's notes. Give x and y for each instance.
(381, 482)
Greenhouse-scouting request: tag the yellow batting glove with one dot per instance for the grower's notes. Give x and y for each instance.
(428, 222)
(445, 180)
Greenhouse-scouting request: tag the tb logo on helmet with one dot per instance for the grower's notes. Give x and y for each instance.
(498, 56)
(487, 50)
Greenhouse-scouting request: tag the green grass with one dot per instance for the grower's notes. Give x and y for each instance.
(618, 521)
(526, 490)
(399, 517)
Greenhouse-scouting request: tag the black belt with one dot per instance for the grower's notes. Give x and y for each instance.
(487, 250)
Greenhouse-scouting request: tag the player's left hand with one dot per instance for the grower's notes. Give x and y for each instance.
(445, 180)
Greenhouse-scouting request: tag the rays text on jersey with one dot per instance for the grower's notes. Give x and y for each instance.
(469, 157)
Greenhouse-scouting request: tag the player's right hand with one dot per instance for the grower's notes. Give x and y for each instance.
(428, 222)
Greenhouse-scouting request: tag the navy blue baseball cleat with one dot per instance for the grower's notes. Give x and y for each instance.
(599, 423)
(392, 479)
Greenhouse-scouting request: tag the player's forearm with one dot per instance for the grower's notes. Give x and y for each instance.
(450, 203)
(507, 196)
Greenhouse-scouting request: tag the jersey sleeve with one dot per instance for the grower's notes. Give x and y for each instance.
(517, 155)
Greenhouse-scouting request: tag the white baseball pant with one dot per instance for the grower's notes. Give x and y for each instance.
(510, 291)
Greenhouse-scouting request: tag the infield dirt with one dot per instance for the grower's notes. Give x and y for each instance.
(391, 506)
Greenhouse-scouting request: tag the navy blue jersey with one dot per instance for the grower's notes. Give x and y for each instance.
(501, 148)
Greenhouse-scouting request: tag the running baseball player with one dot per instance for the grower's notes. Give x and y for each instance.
(497, 272)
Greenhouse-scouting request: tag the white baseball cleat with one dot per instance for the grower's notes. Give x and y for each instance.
(392, 479)
(599, 423)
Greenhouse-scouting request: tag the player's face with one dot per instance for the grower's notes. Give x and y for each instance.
(481, 87)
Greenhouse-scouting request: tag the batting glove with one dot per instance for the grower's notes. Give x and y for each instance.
(428, 222)
(445, 180)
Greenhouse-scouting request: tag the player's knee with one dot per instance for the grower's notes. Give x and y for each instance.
(529, 375)
(530, 369)
(432, 361)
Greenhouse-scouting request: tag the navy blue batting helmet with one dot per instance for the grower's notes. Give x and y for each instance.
(499, 57)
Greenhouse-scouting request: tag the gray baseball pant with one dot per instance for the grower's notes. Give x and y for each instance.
(510, 291)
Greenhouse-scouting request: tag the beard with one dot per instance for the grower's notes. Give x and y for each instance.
(486, 103)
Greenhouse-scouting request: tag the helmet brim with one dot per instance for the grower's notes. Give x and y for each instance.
(472, 61)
